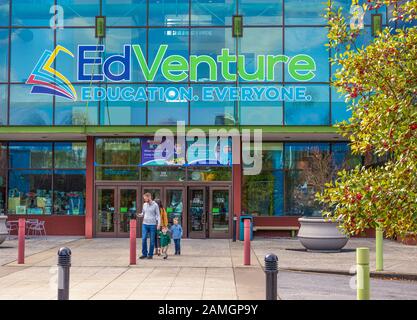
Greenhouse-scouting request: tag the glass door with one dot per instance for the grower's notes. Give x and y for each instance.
(115, 207)
(174, 199)
(105, 217)
(127, 208)
(219, 212)
(197, 214)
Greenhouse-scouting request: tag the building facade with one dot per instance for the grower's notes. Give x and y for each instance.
(78, 149)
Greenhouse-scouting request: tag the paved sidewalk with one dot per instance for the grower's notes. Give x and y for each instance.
(207, 269)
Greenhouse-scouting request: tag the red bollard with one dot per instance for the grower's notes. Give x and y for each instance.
(132, 241)
(21, 240)
(246, 242)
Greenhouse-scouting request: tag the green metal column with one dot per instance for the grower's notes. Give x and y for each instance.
(379, 239)
(362, 274)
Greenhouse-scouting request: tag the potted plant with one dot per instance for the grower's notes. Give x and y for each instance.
(317, 233)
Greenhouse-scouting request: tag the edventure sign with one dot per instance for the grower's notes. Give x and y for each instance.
(174, 68)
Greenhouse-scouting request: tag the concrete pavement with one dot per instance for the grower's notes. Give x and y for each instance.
(207, 269)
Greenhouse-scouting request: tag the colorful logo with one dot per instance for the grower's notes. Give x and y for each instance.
(46, 80)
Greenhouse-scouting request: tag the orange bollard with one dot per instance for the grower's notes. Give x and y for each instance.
(132, 241)
(246, 242)
(21, 240)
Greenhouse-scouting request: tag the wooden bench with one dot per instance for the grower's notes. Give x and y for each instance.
(292, 229)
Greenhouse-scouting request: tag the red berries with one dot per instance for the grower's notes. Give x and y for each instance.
(413, 126)
(359, 196)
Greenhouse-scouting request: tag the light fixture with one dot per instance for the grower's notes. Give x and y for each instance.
(237, 26)
(100, 26)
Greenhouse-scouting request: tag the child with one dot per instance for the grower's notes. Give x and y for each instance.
(165, 240)
(176, 231)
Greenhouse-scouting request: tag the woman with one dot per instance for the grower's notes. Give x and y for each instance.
(164, 223)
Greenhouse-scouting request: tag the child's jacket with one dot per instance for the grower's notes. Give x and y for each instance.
(165, 239)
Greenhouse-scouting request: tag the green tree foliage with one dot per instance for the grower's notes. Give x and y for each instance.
(379, 82)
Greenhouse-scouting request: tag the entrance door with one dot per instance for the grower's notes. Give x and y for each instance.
(219, 213)
(115, 206)
(209, 212)
(172, 199)
(197, 213)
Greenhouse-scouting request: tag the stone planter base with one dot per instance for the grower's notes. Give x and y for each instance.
(317, 234)
(3, 229)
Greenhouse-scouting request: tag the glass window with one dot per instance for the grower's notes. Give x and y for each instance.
(342, 156)
(30, 192)
(212, 112)
(301, 12)
(209, 173)
(159, 173)
(259, 42)
(177, 41)
(260, 112)
(30, 154)
(32, 12)
(121, 112)
(4, 53)
(168, 111)
(309, 41)
(169, 13)
(125, 12)
(4, 12)
(69, 192)
(123, 151)
(300, 194)
(80, 13)
(313, 112)
(263, 194)
(209, 41)
(212, 13)
(3, 174)
(117, 173)
(70, 39)
(346, 5)
(69, 112)
(213, 151)
(3, 105)
(70, 154)
(261, 12)
(299, 155)
(29, 109)
(340, 109)
(115, 40)
(24, 41)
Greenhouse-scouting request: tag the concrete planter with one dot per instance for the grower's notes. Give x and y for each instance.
(317, 234)
(3, 228)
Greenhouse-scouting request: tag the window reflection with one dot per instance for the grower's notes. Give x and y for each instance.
(261, 12)
(23, 40)
(69, 192)
(4, 48)
(310, 41)
(29, 109)
(125, 12)
(30, 155)
(212, 13)
(30, 192)
(31, 12)
(301, 12)
(313, 112)
(168, 12)
(80, 13)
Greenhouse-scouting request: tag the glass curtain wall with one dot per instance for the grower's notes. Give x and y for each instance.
(292, 173)
(188, 27)
(46, 178)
